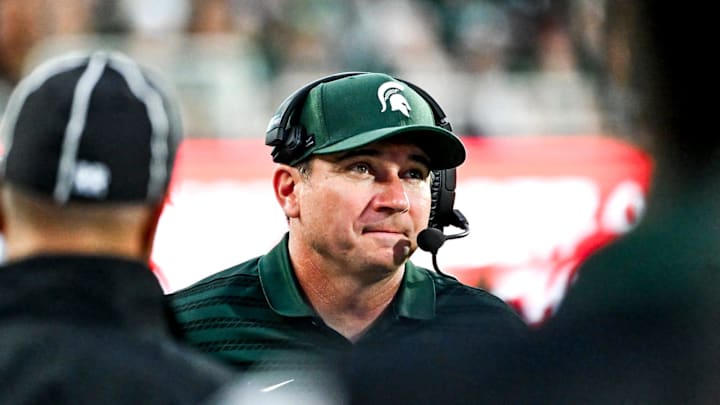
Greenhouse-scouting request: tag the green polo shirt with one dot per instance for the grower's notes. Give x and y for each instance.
(256, 315)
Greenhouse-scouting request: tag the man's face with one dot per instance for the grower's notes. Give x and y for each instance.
(362, 209)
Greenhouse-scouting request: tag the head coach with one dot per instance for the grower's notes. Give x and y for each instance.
(357, 158)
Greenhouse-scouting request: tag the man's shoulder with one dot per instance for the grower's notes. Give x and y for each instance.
(207, 304)
(454, 298)
(446, 285)
(241, 275)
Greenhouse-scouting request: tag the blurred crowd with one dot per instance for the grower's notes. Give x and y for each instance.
(498, 68)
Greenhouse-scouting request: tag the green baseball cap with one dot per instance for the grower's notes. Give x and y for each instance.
(357, 110)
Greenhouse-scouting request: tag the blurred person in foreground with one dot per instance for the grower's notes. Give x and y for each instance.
(641, 324)
(355, 162)
(90, 143)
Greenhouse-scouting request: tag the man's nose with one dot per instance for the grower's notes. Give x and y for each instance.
(393, 196)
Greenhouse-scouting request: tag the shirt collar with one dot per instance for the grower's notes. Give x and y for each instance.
(415, 300)
(279, 283)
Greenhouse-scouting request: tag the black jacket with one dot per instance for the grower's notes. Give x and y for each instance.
(93, 330)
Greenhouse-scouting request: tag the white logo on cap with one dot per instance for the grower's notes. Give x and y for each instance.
(390, 91)
(92, 179)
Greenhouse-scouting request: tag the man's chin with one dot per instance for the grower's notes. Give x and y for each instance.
(388, 261)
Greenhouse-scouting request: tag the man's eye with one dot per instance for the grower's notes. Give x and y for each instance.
(362, 168)
(417, 174)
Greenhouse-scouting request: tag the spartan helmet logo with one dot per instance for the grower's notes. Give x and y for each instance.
(390, 91)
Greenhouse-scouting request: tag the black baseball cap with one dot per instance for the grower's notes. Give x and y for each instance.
(91, 127)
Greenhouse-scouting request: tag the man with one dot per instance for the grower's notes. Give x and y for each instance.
(355, 154)
(90, 142)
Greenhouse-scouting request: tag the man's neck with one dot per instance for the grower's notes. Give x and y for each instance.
(345, 302)
(20, 245)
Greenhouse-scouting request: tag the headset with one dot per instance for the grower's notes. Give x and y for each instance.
(290, 141)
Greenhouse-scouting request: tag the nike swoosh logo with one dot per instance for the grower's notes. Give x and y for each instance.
(276, 386)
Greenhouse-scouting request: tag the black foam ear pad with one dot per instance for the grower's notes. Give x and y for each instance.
(442, 193)
(287, 137)
(296, 143)
(435, 188)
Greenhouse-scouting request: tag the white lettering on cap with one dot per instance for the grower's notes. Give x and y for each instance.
(390, 91)
(92, 179)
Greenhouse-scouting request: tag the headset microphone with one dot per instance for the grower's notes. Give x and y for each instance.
(431, 239)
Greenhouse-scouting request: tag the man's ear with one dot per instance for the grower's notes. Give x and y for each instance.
(286, 180)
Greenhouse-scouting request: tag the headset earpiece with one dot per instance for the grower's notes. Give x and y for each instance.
(442, 192)
(296, 142)
(288, 140)
(284, 132)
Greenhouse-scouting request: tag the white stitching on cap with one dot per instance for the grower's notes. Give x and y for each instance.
(158, 116)
(29, 85)
(76, 124)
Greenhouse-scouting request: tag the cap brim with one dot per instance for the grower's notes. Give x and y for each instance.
(444, 149)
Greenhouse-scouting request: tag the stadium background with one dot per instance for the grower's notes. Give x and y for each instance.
(537, 89)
